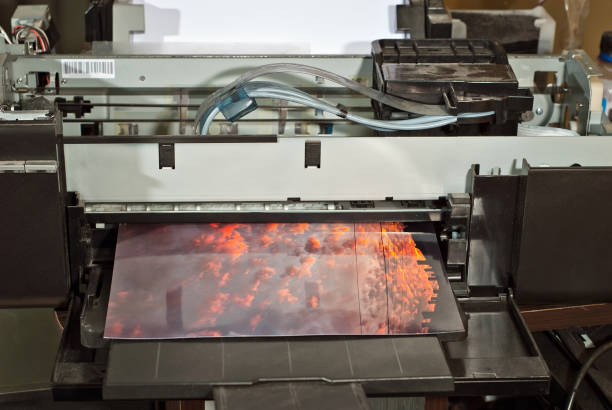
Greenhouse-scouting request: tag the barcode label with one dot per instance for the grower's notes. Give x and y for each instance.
(82, 68)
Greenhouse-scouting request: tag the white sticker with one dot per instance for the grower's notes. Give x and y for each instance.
(88, 68)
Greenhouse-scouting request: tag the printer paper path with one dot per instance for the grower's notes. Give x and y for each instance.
(277, 279)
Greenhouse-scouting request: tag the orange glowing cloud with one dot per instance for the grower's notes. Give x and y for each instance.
(284, 295)
(137, 332)
(116, 329)
(312, 302)
(307, 264)
(214, 267)
(259, 262)
(255, 321)
(261, 276)
(244, 301)
(312, 245)
(266, 241)
(224, 279)
(298, 229)
(217, 305)
(208, 333)
(272, 227)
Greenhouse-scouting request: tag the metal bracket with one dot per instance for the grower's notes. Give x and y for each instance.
(456, 232)
(411, 18)
(127, 19)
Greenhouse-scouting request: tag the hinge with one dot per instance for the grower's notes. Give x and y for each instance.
(46, 167)
(12, 167)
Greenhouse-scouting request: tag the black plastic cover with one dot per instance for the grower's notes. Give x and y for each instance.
(563, 236)
(99, 21)
(292, 396)
(191, 369)
(32, 238)
(605, 46)
(464, 75)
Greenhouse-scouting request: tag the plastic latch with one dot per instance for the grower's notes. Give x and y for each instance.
(237, 105)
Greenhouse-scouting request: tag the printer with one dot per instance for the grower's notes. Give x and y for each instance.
(506, 158)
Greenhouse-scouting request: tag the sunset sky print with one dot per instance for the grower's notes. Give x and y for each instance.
(270, 279)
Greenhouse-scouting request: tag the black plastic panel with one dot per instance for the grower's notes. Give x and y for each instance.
(190, 369)
(291, 396)
(27, 140)
(32, 240)
(518, 33)
(499, 356)
(29, 339)
(564, 236)
(438, 51)
(492, 227)
(32, 237)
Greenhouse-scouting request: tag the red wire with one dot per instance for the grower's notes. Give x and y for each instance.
(40, 39)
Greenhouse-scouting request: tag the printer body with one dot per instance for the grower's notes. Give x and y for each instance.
(519, 219)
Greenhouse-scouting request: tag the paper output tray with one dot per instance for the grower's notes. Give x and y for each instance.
(192, 368)
(498, 357)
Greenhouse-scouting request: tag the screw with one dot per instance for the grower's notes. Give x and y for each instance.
(539, 111)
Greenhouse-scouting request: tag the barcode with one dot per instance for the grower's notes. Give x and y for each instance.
(82, 68)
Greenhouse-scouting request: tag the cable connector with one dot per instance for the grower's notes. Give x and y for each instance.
(237, 105)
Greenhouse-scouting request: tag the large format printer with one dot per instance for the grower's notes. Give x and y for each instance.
(518, 198)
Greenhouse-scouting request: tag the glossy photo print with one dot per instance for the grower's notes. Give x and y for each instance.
(278, 279)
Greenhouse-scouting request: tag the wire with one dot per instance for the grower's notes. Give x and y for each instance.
(390, 125)
(39, 39)
(274, 90)
(5, 35)
(278, 91)
(392, 101)
(44, 34)
(44, 46)
(209, 120)
(33, 28)
(584, 370)
(525, 130)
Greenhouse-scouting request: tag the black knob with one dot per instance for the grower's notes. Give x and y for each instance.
(605, 47)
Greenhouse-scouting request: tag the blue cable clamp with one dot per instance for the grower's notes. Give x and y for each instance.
(237, 105)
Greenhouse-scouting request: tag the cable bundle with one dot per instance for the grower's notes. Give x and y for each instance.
(41, 36)
(432, 116)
